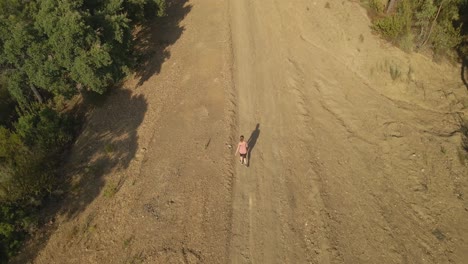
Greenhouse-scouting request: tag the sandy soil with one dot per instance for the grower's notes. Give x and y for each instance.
(152, 171)
(348, 164)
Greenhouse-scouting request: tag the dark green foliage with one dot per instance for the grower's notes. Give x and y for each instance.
(445, 38)
(17, 86)
(397, 27)
(43, 128)
(63, 46)
(7, 104)
(14, 221)
(376, 6)
(30, 154)
(463, 24)
(391, 27)
(29, 157)
(446, 35)
(436, 24)
(53, 49)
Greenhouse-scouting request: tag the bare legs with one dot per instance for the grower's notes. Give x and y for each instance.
(243, 160)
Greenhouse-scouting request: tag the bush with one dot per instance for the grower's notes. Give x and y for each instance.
(445, 39)
(406, 42)
(43, 128)
(395, 72)
(30, 154)
(440, 25)
(7, 105)
(390, 27)
(376, 6)
(29, 158)
(396, 26)
(12, 230)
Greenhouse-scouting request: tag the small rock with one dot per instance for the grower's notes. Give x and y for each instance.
(438, 234)
(396, 134)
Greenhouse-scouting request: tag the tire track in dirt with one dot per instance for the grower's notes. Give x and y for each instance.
(346, 170)
(277, 206)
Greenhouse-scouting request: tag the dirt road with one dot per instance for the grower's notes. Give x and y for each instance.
(349, 163)
(354, 146)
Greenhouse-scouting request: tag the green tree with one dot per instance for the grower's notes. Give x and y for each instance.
(58, 47)
(52, 48)
(12, 224)
(434, 23)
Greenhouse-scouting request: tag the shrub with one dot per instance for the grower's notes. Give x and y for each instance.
(376, 6)
(30, 154)
(43, 128)
(406, 42)
(395, 72)
(440, 25)
(7, 105)
(445, 38)
(29, 157)
(390, 27)
(11, 230)
(395, 26)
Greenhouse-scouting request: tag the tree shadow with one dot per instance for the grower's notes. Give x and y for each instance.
(108, 140)
(154, 39)
(462, 48)
(252, 141)
(464, 68)
(107, 144)
(462, 51)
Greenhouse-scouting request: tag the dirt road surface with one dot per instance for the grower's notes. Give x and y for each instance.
(355, 150)
(352, 165)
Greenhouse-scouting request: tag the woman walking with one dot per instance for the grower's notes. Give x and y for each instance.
(242, 148)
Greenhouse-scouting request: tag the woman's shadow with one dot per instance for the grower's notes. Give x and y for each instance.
(252, 141)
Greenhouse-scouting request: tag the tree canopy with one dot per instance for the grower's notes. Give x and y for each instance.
(57, 47)
(415, 24)
(53, 49)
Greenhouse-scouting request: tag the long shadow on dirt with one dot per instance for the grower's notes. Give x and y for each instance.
(109, 140)
(462, 51)
(463, 47)
(463, 72)
(252, 141)
(157, 37)
(107, 144)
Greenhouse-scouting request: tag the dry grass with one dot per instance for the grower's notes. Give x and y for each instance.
(395, 72)
(111, 189)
